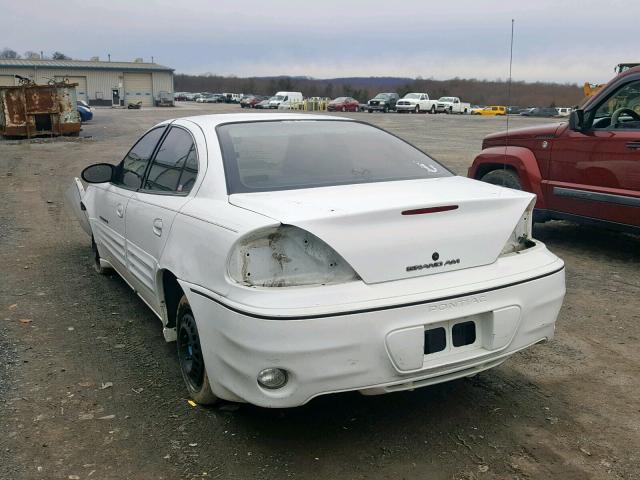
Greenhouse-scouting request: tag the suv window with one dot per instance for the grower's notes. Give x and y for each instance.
(175, 166)
(131, 170)
(626, 97)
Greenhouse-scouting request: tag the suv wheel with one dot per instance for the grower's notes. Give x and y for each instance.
(504, 178)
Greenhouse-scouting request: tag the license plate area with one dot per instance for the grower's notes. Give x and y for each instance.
(435, 344)
(453, 336)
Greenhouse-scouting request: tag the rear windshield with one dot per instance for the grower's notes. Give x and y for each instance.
(283, 155)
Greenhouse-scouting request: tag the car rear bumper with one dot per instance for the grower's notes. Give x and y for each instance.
(373, 351)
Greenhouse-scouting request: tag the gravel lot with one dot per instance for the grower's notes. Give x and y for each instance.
(90, 390)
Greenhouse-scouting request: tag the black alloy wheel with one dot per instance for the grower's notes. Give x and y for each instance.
(189, 351)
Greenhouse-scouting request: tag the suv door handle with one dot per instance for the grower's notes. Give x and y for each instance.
(633, 145)
(157, 226)
(120, 210)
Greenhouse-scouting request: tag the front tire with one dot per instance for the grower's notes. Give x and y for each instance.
(190, 356)
(504, 178)
(417, 110)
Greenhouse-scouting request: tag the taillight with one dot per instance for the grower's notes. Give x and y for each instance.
(287, 256)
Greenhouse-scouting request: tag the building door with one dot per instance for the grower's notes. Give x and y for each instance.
(7, 81)
(81, 89)
(115, 97)
(138, 87)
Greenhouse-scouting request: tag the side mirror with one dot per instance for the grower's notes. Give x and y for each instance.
(98, 173)
(576, 120)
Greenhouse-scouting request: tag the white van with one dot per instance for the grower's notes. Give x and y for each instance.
(284, 100)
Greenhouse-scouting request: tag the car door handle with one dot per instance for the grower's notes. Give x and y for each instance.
(633, 145)
(120, 210)
(157, 226)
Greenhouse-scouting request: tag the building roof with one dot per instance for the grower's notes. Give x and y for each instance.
(83, 64)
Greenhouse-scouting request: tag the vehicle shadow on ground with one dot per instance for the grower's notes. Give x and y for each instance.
(587, 240)
(486, 419)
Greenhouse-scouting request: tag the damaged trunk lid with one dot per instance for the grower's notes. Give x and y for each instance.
(395, 230)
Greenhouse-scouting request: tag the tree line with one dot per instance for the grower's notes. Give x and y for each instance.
(10, 54)
(475, 91)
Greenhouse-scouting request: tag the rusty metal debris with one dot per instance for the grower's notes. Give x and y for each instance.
(30, 110)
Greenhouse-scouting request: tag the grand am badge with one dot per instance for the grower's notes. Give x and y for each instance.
(424, 266)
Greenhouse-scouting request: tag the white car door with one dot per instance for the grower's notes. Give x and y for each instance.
(111, 199)
(152, 209)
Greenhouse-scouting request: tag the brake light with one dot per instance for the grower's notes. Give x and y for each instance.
(422, 211)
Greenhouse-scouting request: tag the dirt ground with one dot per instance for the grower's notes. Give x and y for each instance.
(90, 390)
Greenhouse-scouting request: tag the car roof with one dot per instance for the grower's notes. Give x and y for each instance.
(207, 122)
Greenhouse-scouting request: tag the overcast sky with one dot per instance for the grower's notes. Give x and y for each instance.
(555, 40)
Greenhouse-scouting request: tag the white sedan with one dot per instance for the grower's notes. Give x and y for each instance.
(294, 255)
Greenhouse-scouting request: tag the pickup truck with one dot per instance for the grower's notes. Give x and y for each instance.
(452, 105)
(416, 103)
(586, 170)
(383, 102)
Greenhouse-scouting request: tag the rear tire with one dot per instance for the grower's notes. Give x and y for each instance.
(190, 356)
(433, 110)
(503, 178)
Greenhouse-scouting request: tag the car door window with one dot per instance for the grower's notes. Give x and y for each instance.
(627, 97)
(131, 170)
(175, 166)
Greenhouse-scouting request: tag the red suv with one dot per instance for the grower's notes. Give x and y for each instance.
(586, 170)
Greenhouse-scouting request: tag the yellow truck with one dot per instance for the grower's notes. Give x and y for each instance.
(490, 111)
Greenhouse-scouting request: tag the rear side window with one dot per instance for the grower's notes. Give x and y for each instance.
(175, 166)
(131, 169)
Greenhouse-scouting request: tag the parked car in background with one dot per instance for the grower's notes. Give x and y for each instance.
(564, 111)
(290, 303)
(252, 100)
(383, 102)
(343, 104)
(292, 100)
(540, 112)
(452, 105)
(514, 110)
(280, 97)
(416, 103)
(586, 170)
(85, 105)
(232, 97)
(263, 104)
(86, 114)
(490, 111)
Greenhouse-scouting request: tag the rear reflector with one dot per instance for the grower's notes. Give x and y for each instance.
(420, 211)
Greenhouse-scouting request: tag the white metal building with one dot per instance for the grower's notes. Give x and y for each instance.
(99, 83)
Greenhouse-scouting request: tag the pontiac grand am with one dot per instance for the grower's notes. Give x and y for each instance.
(291, 256)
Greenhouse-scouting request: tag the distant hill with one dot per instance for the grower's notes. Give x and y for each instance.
(480, 92)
